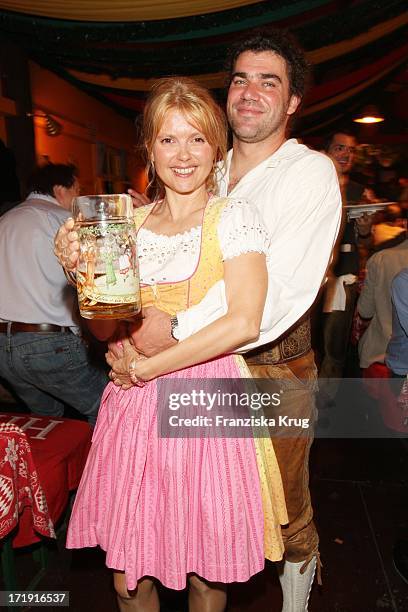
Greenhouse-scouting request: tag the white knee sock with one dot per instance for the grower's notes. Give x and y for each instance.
(296, 587)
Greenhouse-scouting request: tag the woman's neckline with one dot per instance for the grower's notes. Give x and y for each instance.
(179, 234)
(189, 229)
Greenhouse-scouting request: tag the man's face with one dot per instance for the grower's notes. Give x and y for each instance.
(342, 149)
(259, 104)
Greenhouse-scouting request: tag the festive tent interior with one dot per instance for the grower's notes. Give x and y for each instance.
(115, 50)
(74, 75)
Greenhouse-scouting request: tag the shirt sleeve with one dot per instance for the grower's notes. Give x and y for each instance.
(302, 240)
(212, 307)
(366, 302)
(241, 230)
(399, 290)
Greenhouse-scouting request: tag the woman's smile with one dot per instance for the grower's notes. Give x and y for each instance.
(182, 156)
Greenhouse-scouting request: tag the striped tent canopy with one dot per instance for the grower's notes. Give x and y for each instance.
(114, 50)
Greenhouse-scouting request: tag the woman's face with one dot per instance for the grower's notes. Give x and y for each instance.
(182, 156)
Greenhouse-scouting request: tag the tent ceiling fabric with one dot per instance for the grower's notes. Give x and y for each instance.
(218, 79)
(356, 46)
(121, 10)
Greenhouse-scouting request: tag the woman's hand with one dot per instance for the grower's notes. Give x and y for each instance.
(66, 245)
(124, 371)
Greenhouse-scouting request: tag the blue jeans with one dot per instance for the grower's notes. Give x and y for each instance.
(48, 370)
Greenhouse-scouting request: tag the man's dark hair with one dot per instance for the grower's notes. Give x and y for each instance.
(45, 178)
(283, 44)
(329, 139)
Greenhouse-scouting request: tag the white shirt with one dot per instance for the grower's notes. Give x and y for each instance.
(33, 285)
(297, 193)
(174, 258)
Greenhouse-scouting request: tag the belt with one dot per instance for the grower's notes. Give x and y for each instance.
(16, 327)
(295, 344)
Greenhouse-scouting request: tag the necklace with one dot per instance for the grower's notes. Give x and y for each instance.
(232, 183)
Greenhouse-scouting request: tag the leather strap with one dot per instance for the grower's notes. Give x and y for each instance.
(17, 327)
(295, 344)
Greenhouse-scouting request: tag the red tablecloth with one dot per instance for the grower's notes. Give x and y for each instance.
(59, 450)
(392, 413)
(20, 488)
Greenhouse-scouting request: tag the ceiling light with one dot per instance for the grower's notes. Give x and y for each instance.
(369, 114)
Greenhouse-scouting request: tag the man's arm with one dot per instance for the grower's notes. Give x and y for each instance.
(303, 224)
(303, 233)
(366, 302)
(240, 323)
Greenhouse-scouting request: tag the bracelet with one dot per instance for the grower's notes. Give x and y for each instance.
(138, 382)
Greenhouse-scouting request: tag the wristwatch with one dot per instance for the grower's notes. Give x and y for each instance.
(174, 327)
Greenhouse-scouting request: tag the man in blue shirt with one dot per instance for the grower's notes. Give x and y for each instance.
(397, 350)
(397, 361)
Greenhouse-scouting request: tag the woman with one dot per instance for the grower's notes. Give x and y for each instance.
(182, 508)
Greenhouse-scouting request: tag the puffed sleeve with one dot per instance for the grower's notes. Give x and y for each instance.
(241, 230)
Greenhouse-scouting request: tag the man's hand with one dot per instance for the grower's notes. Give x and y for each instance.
(115, 345)
(154, 335)
(115, 351)
(138, 199)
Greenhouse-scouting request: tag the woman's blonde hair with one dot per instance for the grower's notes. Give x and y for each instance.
(199, 108)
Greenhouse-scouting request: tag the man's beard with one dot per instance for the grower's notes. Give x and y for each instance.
(260, 131)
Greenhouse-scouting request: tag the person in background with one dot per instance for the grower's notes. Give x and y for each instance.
(296, 192)
(397, 361)
(375, 302)
(389, 228)
(341, 291)
(42, 355)
(341, 147)
(387, 172)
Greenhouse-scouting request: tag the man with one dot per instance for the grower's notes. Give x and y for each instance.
(375, 302)
(296, 190)
(397, 360)
(42, 356)
(341, 147)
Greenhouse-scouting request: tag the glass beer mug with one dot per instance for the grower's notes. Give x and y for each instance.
(107, 270)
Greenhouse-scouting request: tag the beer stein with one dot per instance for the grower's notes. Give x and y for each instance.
(107, 269)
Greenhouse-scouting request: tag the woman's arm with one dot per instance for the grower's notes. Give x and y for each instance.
(246, 281)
